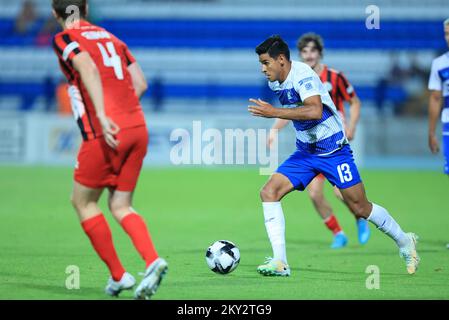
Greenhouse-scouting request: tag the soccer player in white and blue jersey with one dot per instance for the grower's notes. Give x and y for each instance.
(439, 89)
(322, 147)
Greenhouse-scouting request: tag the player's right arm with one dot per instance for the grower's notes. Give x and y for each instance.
(434, 114)
(435, 104)
(90, 76)
(278, 124)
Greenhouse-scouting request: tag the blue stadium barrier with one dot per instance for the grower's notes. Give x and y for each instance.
(30, 90)
(246, 34)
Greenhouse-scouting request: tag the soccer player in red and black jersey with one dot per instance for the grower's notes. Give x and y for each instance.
(106, 83)
(311, 47)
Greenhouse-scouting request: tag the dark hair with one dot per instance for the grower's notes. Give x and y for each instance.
(60, 6)
(274, 46)
(305, 39)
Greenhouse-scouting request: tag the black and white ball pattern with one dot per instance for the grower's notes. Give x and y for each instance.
(223, 257)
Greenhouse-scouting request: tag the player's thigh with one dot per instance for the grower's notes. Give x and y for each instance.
(131, 165)
(337, 193)
(299, 170)
(356, 200)
(83, 195)
(339, 168)
(276, 188)
(316, 187)
(94, 169)
(85, 200)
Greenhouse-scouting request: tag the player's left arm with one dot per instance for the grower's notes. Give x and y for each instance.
(140, 84)
(348, 93)
(312, 109)
(354, 116)
(435, 105)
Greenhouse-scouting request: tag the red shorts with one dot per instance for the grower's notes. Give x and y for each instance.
(100, 166)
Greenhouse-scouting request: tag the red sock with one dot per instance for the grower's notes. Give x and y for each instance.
(332, 224)
(137, 230)
(97, 229)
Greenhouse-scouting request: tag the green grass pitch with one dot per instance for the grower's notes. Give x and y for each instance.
(188, 209)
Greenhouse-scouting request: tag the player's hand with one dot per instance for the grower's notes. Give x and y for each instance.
(350, 133)
(262, 109)
(433, 144)
(110, 129)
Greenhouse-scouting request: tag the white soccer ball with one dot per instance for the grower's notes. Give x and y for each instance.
(223, 257)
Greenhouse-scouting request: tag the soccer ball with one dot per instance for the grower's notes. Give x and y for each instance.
(223, 257)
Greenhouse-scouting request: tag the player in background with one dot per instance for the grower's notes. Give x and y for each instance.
(322, 147)
(439, 90)
(106, 83)
(310, 47)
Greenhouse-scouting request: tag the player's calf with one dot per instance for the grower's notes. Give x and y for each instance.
(357, 202)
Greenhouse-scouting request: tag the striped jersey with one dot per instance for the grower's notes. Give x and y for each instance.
(338, 87)
(439, 81)
(112, 59)
(319, 137)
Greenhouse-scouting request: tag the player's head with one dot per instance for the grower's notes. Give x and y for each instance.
(274, 55)
(446, 30)
(63, 9)
(310, 47)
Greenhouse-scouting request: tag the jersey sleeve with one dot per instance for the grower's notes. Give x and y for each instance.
(65, 47)
(126, 52)
(307, 86)
(434, 79)
(345, 88)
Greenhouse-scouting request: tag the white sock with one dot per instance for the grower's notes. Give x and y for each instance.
(275, 225)
(385, 222)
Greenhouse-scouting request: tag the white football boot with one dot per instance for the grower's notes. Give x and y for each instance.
(113, 288)
(273, 267)
(151, 279)
(409, 254)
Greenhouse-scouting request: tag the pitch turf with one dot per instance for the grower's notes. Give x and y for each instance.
(188, 209)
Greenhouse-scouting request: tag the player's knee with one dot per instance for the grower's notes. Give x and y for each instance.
(270, 194)
(118, 207)
(76, 203)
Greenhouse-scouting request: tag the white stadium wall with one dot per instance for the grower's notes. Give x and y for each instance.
(49, 139)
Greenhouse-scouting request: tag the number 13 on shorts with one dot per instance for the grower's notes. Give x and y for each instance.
(344, 173)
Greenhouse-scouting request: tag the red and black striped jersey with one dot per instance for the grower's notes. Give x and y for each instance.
(338, 86)
(112, 58)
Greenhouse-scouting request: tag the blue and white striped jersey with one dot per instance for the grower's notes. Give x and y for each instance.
(319, 137)
(439, 81)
